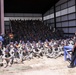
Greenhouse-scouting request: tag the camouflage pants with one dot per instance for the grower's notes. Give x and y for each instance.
(7, 62)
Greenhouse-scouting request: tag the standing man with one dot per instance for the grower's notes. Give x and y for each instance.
(73, 57)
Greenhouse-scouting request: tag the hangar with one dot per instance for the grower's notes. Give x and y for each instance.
(41, 26)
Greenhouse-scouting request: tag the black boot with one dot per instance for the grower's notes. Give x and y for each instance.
(70, 66)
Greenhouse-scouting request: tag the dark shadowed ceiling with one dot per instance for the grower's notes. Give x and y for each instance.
(28, 6)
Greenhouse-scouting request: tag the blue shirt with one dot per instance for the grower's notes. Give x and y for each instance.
(1, 38)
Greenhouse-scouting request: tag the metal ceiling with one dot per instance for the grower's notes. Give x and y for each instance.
(28, 6)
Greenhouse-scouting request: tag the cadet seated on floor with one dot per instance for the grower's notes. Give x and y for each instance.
(7, 59)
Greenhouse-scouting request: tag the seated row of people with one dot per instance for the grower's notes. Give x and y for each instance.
(31, 30)
(22, 51)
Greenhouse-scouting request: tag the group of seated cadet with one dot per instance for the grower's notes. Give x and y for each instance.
(32, 30)
(20, 51)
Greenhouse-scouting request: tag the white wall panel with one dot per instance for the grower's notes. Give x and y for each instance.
(63, 12)
(16, 15)
(22, 18)
(64, 24)
(72, 23)
(58, 24)
(48, 21)
(47, 13)
(71, 16)
(60, 2)
(65, 30)
(71, 9)
(6, 23)
(64, 6)
(57, 13)
(44, 18)
(48, 17)
(58, 19)
(8, 15)
(66, 11)
(52, 20)
(58, 8)
(71, 3)
(63, 18)
(52, 15)
(72, 30)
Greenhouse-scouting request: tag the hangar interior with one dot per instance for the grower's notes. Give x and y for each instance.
(57, 14)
